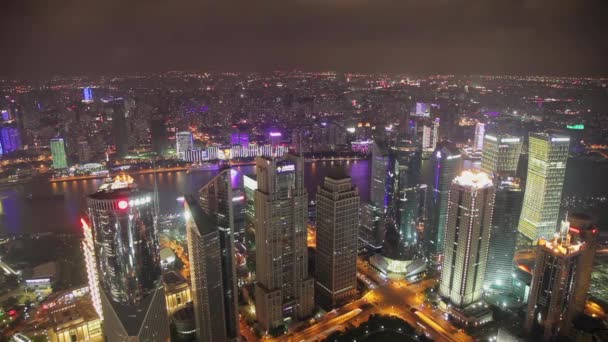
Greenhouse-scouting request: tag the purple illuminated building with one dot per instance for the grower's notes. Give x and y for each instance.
(274, 137)
(239, 139)
(10, 139)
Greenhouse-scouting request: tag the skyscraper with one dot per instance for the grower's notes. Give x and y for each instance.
(430, 135)
(469, 222)
(480, 129)
(158, 134)
(404, 201)
(582, 229)
(547, 158)
(507, 208)
(120, 130)
(446, 163)
(337, 230)
(501, 154)
(283, 286)
(216, 200)
(88, 251)
(128, 262)
(183, 143)
(60, 159)
(10, 138)
(381, 178)
(207, 272)
(556, 276)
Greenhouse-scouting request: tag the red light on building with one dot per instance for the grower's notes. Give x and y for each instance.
(575, 230)
(122, 204)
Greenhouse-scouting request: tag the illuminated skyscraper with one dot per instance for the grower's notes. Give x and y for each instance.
(88, 250)
(217, 201)
(557, 274)
(60, 159)
(469, 223)
(507, 208)
(87, 95)
(283, 288)
(446, 163)
(337, 230)
(547, 158)
(501, 154)
(582, 229)
(404, 201)
(183, 143)
(381, 178)
(10, 138)
(430, 135)
(480, 129)
(209, 225)
(128, 262)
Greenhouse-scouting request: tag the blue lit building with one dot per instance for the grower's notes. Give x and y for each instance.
(87, 95)
(10, 139)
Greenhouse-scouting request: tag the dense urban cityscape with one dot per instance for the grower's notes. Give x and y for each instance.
(304, 207)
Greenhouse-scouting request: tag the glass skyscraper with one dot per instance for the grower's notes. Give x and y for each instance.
(547, 159)
(183, 143)
(446, 163)
(501, 154)
(128, 262)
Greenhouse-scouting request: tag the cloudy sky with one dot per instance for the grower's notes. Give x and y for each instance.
(556, 37)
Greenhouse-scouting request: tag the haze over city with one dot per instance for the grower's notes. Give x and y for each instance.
(303, 171)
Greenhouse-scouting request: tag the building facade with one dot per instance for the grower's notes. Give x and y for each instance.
(128, 262)
(336, 252)
(547, 159)
(58, 152)
(183, 143)
(284, 287)
(557, 274)
(501, 154)
(469, 222)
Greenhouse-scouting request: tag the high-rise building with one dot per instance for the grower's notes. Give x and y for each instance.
(582, 229)
(10, 138)
(557, 274)
(381, 178)
(469, 223)
(480, 129)
(60, 158)
(404, 203)
(501, 154)
(507, 208)
(446, 163)
(115, 108)
(88, 251)
(183, 143)
(216, 200)
(372, 230)
(430, 135)
(209, 226)
(284, 287)
(547, 158)
(87, 95)
(337, 233)
(128, 262)
(158, 134)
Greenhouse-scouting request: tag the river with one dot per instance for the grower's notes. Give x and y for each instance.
(48, 211)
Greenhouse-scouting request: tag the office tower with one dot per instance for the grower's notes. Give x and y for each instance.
(547, 158)
(446, 163)
(468, 229)
(403, 205)
(88, 251)
(128, 262)
(430, 135)
(283, 286)
(87, 95)
(250, 185)
(556, 276)
(183, 143)
(239, 203)
(10, 138)
(423, 109)
(158, 134)
(372, 230)
(380, 178)
(337, 230)
(582, 229)
(60, 159)
(83, 151)
(115, 108)
(507, 208)
(211, 253)
(501, 154)
(480, 130)
(216, 200)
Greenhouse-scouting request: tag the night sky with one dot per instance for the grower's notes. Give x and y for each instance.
(554, 37)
